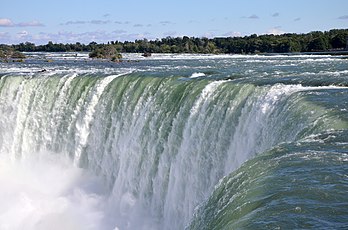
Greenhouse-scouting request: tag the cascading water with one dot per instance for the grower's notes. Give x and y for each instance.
(138, 149)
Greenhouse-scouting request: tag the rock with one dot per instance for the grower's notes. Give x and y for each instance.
(146, 54)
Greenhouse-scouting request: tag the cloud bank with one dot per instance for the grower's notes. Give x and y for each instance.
(99, 36)
(94, 22)
(343, 17)
(5, 22)
(254, 16)
(275, 31)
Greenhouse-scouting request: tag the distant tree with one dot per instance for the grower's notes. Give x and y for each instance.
(2, 54)
(211, 48)
(339, 41)
(165, 48)
(318, 44)
(8, 52)
(106, 52)
(313, 41)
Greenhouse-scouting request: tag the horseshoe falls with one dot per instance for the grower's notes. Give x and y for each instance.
(174, 142)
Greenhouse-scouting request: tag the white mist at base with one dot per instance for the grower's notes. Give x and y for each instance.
(48, 192)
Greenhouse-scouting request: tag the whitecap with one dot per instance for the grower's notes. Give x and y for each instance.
(195, 75)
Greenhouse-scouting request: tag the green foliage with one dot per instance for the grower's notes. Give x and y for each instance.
(285, 43)
(2, 54)
(339, 40)
(106, 52)
(8, 52)
(17, 55)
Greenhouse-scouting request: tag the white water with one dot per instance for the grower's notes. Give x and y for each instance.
(151, 181)
(196, 75)
(83, 127)
(46, 191)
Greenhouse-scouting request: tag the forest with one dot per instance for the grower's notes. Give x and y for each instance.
(316, 41)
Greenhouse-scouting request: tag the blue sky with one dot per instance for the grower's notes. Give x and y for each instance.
(70, 21)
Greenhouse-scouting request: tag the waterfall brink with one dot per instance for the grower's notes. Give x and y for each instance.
(159, 145)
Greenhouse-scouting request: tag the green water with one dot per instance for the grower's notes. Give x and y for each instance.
(185, 141)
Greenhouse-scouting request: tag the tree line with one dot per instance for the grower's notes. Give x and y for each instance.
(317, 41)
(8, 52)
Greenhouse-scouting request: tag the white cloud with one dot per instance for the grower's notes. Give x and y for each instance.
(5, 37)
(119, 31)
(343, 17)
(5, 22)
(297, 19)
(41, 37)
(99, 22)
(74, 23)
(3, 34)
(79, 22)
(71, 37)
(29, 24)
(135, 36)
(275, 14)
(124, 23)
(22, 34)
(208, 35)
(170, 34)
(275, 31)
(232, 34)
(165, 23)
(254, 16)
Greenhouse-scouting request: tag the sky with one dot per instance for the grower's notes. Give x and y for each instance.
(71, 21)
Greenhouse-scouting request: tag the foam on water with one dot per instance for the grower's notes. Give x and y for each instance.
(206, 95)
(195, 75)
(46, 191)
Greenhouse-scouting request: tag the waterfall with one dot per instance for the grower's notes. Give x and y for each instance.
(158, 144)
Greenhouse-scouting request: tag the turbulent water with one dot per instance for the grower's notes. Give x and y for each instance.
(174, 142)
